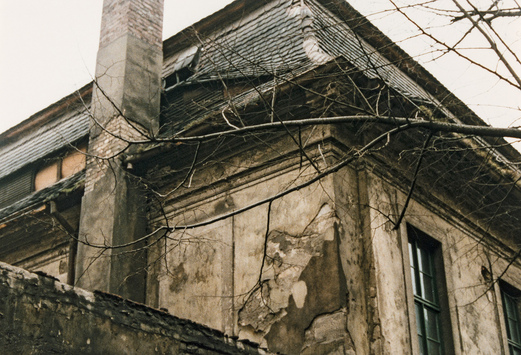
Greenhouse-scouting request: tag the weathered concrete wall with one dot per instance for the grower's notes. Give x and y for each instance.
(474, 303)
(213, 274)
(357, 259)
(55, 262)
(280, 283)
(335, 276)
(39, 315)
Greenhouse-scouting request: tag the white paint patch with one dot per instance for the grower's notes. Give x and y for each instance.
(325, 219)
(299, 10)
(299, 292)
(314, 52)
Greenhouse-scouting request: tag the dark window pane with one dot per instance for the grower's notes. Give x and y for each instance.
(428, 289)
(434, 348)
(432, 324)
(428, 318)
(512, 320)
(510, 306)
(514, 331)
(422, 345)
(425, 261)
(419, 319)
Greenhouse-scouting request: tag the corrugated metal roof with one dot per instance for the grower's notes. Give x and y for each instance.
(42, 142)
(71, 184)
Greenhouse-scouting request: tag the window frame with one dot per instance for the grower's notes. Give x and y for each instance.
(16, 186)
(444, 321)
(58, 160)
(508, 294)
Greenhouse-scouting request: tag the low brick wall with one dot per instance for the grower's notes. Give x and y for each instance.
(39, 315)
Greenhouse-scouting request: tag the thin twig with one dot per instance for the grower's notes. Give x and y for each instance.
(413, 183)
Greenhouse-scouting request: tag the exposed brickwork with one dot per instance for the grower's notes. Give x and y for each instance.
(143, 19)
(107, 146)
(128, 82)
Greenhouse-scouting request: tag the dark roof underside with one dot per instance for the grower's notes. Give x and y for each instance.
(61, 188)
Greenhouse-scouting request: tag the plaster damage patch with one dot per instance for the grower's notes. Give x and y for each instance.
(299, 292)
(287, 257)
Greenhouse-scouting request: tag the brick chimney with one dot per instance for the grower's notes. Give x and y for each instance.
(125, 107)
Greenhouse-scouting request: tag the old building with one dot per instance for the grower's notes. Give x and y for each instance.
(281, 172)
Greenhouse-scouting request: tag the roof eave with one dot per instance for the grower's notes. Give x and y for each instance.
(46, 115)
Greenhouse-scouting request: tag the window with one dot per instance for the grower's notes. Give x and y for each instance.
(15, 187)
(22, 183)
(430, 311)
(510, 298)
(60, 168)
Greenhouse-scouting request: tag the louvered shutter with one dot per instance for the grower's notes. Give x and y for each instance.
(15, 187)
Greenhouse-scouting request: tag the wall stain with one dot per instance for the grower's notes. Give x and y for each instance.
(179, 278)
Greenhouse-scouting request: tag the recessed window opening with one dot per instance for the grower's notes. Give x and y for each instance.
(60, 168)
(430, 304)
(511, 309)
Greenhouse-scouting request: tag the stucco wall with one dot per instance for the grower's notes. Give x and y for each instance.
(336, 273)
(336, 277)
(213, 274)
(474, 303)
(291, 300)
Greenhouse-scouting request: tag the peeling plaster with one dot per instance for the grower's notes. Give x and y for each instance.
(302, 279)
(299, 292)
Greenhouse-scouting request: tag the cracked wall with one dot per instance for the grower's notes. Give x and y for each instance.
(302, 280)
(297, 303)
(328, 274)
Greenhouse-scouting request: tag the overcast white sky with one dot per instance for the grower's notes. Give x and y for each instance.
(48, 50)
